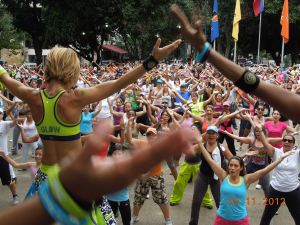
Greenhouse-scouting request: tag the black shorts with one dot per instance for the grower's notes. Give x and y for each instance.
(4, 172)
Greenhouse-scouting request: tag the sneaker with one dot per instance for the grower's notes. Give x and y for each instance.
(16, 200)
(169, 222)
(134, 220)
(173, 203)
(208, 206)
(258, 187)
(147, 196)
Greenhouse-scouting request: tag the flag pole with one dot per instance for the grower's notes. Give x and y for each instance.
(214, 45)
(234, 56)
(282, 52)
(259, 36)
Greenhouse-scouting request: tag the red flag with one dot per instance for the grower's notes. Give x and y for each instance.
(284, 21)
(258, 7)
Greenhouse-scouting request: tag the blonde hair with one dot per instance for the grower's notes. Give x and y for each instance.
(62, 64)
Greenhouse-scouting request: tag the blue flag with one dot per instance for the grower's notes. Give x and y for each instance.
(214, 23)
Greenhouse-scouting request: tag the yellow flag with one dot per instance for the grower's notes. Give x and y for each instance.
(236, 20)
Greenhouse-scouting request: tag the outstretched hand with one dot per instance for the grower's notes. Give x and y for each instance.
(86, 176)
(194, 35)
(161, 53)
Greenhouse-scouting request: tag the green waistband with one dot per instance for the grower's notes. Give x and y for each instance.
(45, 168)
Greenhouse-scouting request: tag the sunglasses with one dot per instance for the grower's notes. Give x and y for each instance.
(260, 109)
(287, 140)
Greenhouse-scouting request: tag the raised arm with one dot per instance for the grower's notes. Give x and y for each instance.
(17, 88)
(205, 103)
(152, 118)
(128, 133)
(267, 146)
(198, 118)
(112, 111)
(226, 117)
(140, 113)
(6, 99)
(246, 140)
(104, 90)
(213, 164)
(290, 129)
(180, 97)
(275, 96)
(251, 178)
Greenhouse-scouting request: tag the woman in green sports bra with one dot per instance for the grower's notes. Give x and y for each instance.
(56, 110)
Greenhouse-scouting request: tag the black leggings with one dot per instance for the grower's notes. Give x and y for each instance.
(291, 199)
(124, 208)
(229, 141)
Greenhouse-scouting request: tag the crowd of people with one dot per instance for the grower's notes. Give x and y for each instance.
(64, 110)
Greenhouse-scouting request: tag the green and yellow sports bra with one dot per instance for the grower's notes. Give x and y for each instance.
(51, 127)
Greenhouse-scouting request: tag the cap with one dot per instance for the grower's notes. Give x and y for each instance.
(212, 128)
(226, 103)
(183, 85)
(151, 129)
(159, 81)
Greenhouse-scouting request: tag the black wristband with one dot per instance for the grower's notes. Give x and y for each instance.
(150, 63)
(248, 82)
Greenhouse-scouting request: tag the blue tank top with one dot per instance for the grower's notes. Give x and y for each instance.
(233, 200)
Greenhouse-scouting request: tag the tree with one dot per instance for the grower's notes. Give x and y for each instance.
(141, 22)
(10, 37)
(27, 16)
(82, 25)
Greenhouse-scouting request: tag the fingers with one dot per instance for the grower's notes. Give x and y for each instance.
(180, 16)
(198, 26)
(171, 47)
(157, 44)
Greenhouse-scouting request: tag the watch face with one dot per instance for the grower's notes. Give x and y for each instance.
(250, 78)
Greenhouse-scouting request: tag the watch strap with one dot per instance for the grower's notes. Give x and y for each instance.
(150, 60)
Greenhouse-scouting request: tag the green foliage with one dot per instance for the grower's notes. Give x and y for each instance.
(142, 21)
(27, 16)
(135, 24)
(10, 37)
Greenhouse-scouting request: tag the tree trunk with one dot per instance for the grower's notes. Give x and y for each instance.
(276, 58)
(38, 49)
(98, 51)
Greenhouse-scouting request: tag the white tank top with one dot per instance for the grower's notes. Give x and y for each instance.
(29, 128)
